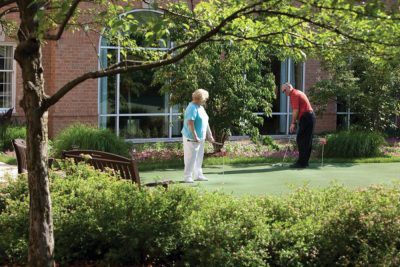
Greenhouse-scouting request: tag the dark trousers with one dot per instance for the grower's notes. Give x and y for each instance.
(304, 137)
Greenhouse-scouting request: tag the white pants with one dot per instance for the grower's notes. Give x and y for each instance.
(193, 155)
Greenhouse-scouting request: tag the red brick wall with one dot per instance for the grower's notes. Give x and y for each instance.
(76, 53)
(71, 57)
(326, 121)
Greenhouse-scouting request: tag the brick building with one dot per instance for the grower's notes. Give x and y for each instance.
(110, 102)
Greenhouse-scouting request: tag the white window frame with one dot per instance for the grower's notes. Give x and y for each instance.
(287, 112)
(348, 114)
(169, 112)
(13, 78)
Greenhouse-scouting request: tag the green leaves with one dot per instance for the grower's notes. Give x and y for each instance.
(236, 78)
(369, 88)
(286, 30)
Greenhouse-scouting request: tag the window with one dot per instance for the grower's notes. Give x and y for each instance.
(285, 71)
(344, 116)
(129, 104)
(7, 77)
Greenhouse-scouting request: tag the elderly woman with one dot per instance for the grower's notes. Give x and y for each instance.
(195, 131)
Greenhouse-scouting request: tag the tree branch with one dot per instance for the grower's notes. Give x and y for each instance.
(47, 103)
(165, 10)
(349, 10)
(324, 26)
(64, 23)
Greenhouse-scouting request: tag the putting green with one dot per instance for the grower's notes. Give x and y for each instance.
(268, 179)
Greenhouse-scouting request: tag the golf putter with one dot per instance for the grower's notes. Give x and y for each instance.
(284, 155)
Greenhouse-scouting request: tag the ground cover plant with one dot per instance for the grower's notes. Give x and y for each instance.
(9, 133)
(354, 143)
(102, 220)
(83, 136)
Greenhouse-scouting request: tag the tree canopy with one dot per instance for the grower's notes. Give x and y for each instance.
(370, 90)
(238, 80)
(281, 27)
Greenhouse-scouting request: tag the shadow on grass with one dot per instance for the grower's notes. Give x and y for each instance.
(284, 166)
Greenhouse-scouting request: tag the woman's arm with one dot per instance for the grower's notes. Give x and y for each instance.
(192, 130)
(209, 134)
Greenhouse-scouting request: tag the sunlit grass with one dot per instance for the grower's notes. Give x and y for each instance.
(8, 159)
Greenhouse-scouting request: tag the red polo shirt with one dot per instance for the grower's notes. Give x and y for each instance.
(299, 101)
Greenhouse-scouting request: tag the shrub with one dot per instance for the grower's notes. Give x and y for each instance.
(10, 133)
(351, 144)
(270, 142)
(88, 137)
(100, 219)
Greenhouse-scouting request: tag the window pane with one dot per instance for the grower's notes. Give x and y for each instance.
(342, 105)
(143, 127)
(108, 85)
(298, 68)
(6, 89)
(177, 124)
(342, 121)
(6, 58)
(138, 95)
(108, 122)
(274, 125)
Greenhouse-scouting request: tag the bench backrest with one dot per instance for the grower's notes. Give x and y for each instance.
(126, 168)
(6, 117)
(20, 152)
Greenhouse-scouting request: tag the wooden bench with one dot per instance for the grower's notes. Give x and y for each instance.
(126, 168)
(20, 152)
(6, 117)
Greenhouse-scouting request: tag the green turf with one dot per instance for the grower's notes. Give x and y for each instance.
(7, 159)
(268, 179)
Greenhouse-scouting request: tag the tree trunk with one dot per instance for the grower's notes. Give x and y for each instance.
(29, 56)
(41, 241)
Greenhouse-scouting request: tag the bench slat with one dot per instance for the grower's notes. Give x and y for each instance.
(126, 168)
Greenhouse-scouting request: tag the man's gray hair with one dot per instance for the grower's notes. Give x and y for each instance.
(288, 85)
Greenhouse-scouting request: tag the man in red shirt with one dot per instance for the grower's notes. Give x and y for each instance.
(302, 113)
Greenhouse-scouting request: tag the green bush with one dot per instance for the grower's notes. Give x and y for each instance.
(9, 133)
(100, 219)
(353, 144)
(88, 137)
(265, 140)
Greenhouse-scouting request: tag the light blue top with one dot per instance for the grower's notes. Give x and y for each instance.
(197, 114)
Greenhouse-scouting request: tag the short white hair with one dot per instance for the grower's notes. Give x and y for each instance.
(289, 85)
(200, 94)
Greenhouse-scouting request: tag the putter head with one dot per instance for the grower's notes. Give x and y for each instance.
(277, 165)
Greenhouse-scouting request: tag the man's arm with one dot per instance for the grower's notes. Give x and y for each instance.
(294, 119)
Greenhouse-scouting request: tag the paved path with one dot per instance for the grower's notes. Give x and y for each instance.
(7, 169)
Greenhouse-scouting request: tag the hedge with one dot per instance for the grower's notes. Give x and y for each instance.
(103, 220)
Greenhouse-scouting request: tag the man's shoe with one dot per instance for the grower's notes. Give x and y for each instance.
(201, 179)
(189, 180)
(297, 166)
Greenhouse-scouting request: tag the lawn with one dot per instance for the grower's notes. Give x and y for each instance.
(260, 179)
(8, 159)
